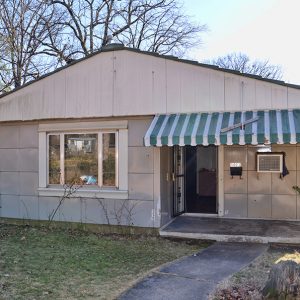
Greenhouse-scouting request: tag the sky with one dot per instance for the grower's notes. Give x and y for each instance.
(262, 29)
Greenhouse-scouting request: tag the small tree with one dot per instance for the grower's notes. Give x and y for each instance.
(69, 192)
(242, 63)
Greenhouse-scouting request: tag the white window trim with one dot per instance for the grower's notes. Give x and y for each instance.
(80, 127)
(84, 193)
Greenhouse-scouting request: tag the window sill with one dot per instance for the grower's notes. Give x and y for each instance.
(90, 193)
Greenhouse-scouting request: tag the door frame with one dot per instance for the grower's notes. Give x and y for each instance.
(178, 203)
(220, 201)
(220, 181)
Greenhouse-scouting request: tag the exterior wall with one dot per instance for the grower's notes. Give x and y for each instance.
(144, 177)
(166, 185)
(262, 195)
(19, 171)
(127, 83)
(19, 196)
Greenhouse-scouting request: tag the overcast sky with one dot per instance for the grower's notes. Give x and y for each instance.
(262, 29)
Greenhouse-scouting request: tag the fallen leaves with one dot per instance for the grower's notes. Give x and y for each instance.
(239, 293)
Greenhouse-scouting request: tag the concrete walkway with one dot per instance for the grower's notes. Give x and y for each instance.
(196, 276)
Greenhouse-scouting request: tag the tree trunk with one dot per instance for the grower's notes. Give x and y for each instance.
(283, 282)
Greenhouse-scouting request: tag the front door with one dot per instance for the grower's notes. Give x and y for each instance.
(201, 179)
(178, 180)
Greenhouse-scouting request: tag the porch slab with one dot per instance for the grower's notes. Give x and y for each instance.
(233, 230)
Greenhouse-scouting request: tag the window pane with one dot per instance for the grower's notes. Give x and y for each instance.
(54, 159)
(109, 159)
(81, 159)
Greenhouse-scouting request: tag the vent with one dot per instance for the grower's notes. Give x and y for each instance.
(269, 162)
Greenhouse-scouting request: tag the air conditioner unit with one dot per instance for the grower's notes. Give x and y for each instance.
(269, 162)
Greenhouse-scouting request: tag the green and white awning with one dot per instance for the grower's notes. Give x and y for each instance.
(225, 128)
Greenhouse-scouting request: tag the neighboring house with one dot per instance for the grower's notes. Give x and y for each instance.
(149, 137)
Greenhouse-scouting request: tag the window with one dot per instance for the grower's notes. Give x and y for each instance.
(83, 158)
(93, 154)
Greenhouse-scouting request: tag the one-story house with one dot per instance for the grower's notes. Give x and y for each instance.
(148, 137)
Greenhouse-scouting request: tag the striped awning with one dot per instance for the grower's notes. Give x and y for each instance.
(225, 128)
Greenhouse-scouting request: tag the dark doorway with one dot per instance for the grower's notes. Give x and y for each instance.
(201, 179)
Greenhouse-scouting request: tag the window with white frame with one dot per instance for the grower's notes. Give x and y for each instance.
(89, 158)
(92, 154)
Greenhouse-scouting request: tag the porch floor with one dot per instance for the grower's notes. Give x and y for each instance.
(233, 230)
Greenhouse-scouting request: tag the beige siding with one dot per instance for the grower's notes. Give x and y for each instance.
(202, 90)
(216, 89)
(279, 97)
(139, 85)
(261, 195)
(249, 94)
(19, 176)
(54, 87)
(19, 171)
(124, 83)
(173, 94)
(233, 90)
(263, 97)
(187, 93)
(89, 87)
(293, 98)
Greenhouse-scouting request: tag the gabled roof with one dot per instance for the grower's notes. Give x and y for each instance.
(121, 47)
(121, 82)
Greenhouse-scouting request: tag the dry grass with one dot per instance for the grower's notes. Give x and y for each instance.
(39, 263)
(295, 256)
(248, 283)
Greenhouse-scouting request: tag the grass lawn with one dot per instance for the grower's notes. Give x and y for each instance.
(37, 263)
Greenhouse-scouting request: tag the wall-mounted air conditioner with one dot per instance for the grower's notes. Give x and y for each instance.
(271, 162)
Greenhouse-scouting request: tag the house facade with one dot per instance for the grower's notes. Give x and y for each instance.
(145, 138)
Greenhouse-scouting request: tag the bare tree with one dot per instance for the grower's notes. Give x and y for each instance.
(152, 25)
(4, 71)
(23, 25)
(242, 63)
(165, 30)
(4, 77)
(37, 36)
